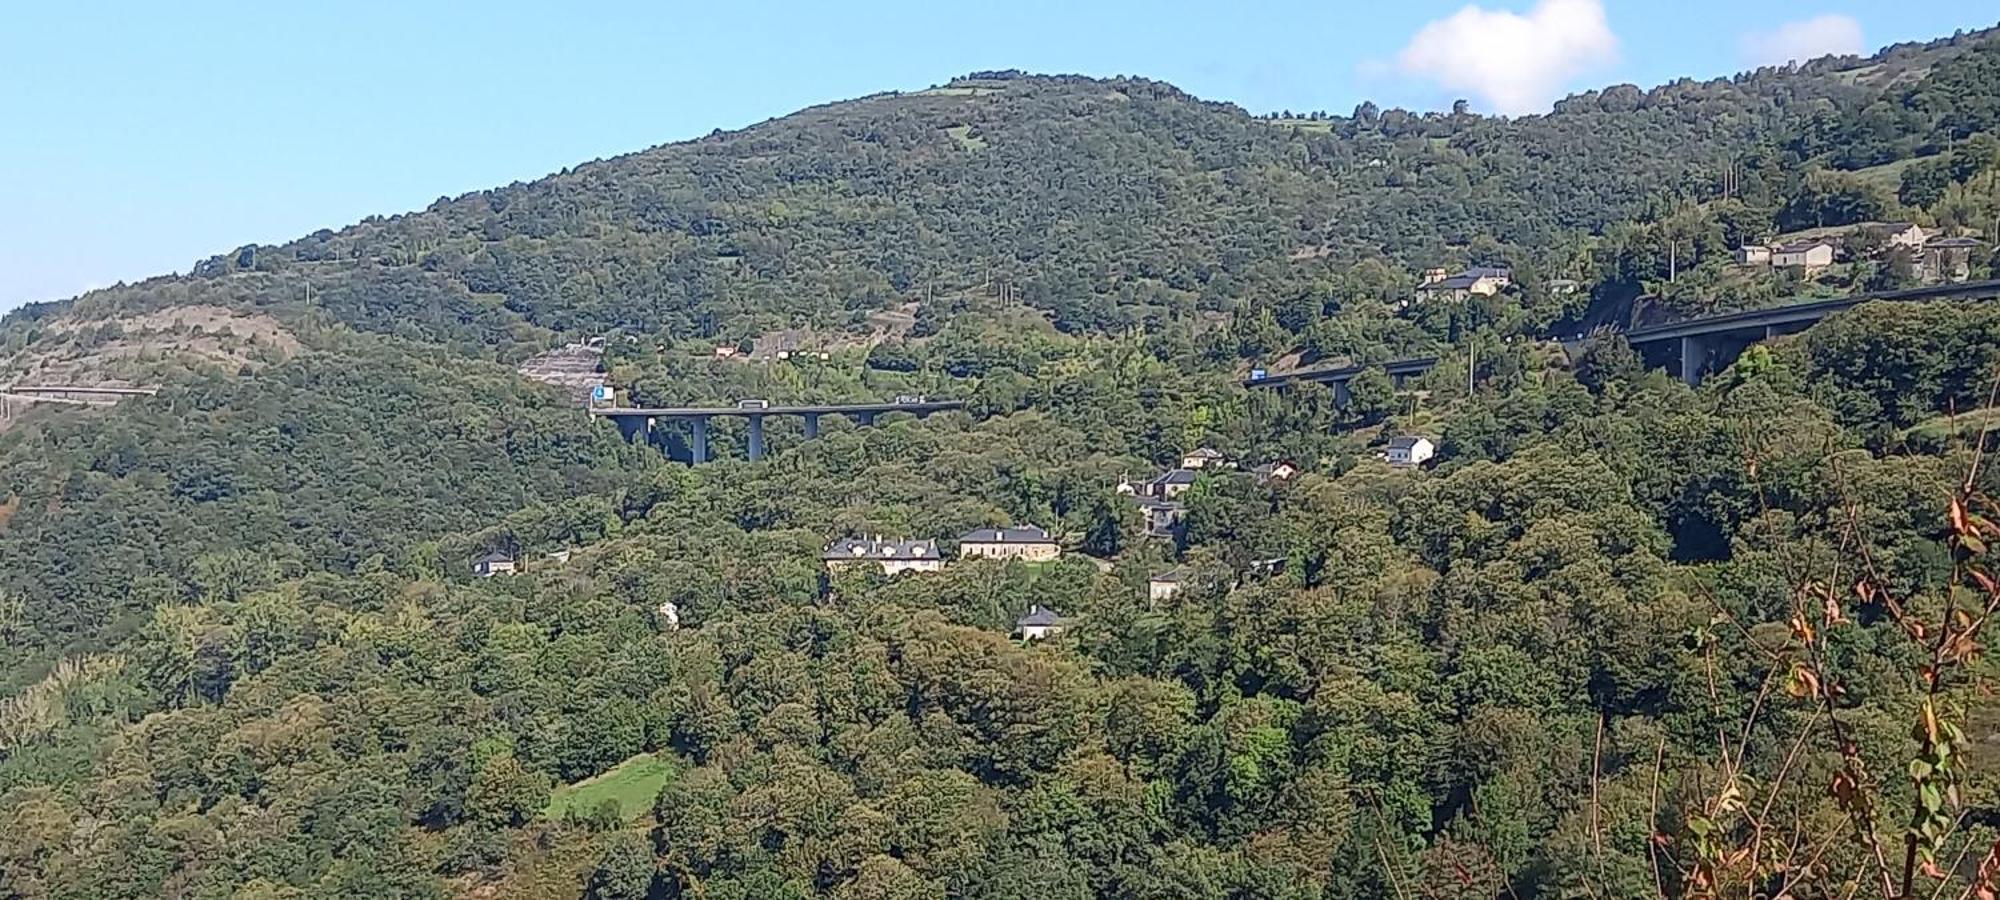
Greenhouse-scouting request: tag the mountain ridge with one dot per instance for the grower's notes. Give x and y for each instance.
(696, 189)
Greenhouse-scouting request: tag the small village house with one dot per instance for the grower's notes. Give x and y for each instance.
(1410, 450)
(1170, 484)
(1753, 255)
(1275, 471)
(1024, 542)
(1037, 623)
(1165, 585)
(494, 564)
(1162, 517)
(893, 556)
(1810, 256)
(1203, 458)
(1266, 568)
(1949, 258)
(1483, 281)
(1898, 234)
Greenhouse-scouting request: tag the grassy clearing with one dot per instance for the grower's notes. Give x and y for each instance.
(634, 783)
(1966, 427)
(1321, 126)
(1888, 175)
(957, 91)
(963, 135)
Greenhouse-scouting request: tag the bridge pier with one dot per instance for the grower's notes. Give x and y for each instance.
(864, 418)
(698, 440)
(756, 437)
(632, 428)
(1694, 359)
(1342, 397)
(812, 426)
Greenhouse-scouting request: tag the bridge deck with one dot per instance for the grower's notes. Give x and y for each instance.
(1803, 312)
(78, 389)
(828, 409)
(1788, 314)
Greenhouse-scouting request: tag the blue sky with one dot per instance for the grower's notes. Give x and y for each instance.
(137, 138)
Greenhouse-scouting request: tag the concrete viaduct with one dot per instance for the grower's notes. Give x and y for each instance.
(637, 423)
(1690, 349)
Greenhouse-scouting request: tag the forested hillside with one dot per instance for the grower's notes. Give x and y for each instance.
(1621, 637)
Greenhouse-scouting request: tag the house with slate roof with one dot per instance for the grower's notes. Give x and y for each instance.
(1037, 623)
(1410, 450)
(1025, 542)
(1203, 457)
(494, 564)
(893, 556)
(1483, 281)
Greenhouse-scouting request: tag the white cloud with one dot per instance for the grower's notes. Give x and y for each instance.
(1802, 40)
(1516, 63)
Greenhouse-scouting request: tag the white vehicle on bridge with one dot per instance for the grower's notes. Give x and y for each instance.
(908, 399)
(753, 404)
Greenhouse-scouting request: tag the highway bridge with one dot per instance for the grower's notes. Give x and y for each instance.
(1690, 348)
(65, 394)
(639, 422)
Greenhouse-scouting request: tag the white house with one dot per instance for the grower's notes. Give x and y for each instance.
(1203, 458)
(893, 556)
(494, 564)
(1410, 450)
(1483, 281)
(1023, 542)
(1811, 256)
(1753, 255)
(1039, 622)
(1279, 470)
(1165, 585)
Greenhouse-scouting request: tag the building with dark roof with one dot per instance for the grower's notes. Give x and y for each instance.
(1162, 516)
(1037, 623)
(494, 564)
(1019, 542)
(1409, 450)
(892, 555)
(1484, 281)
(1171, 483)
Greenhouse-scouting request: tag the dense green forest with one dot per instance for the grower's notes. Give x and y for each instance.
(1622, 636)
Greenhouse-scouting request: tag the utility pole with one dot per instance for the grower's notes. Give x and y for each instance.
(1471, 366)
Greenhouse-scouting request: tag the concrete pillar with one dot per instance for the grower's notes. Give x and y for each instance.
(631, 428)
(1770, 331)
(756, 437)
(698, 440)
(812, 426)
(864, 418)
(1694, 357)
(1341, 395)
